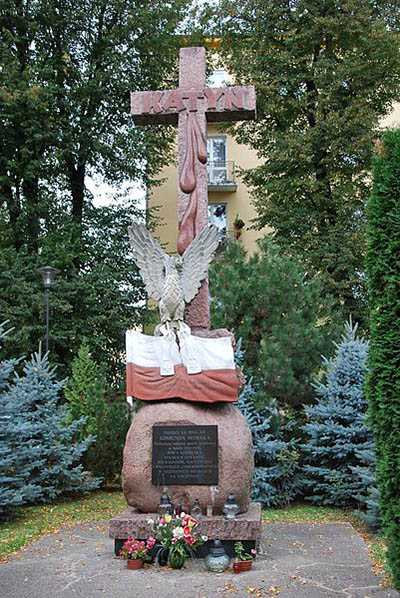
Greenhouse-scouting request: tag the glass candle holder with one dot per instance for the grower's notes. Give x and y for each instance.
(165, 507)
(217, 560)
(196, 509)
(230, 508)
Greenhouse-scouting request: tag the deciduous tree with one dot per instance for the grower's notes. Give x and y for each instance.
(325, 73)
(67, 69)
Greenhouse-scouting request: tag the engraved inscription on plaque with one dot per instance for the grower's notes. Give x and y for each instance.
(185, 455)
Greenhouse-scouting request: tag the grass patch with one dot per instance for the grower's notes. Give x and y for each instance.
(377, 550)
(305, 512)
(39, 520)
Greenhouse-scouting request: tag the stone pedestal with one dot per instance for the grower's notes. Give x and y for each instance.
(235, 455)
(246, 528)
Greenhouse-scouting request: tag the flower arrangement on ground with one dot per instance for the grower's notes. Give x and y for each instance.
(133, 549)
(178, 535)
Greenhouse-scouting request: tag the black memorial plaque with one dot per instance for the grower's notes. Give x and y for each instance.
(185, 455)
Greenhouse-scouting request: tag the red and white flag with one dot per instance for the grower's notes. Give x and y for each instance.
(199, 369)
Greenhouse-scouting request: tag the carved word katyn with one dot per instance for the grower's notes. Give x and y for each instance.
(166, 105)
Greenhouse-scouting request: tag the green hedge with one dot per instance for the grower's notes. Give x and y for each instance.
(383, 387)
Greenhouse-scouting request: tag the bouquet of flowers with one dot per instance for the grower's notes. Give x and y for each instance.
(178, 535)
(136, 549)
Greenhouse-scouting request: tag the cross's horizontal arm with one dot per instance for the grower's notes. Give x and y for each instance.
(220, 104)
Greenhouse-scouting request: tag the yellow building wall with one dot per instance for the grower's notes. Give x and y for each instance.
(393, 119)
(165, 198)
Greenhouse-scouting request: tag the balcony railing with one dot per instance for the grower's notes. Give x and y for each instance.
(221, 176)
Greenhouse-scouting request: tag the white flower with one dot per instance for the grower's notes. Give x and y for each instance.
(150, 521)
(204, 538)
(182, 515)
(178, 532)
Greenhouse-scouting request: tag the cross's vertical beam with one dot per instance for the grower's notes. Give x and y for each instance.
(192, 69)
(188, 107)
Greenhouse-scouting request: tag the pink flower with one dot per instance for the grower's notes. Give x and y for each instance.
(253, 551)
(162, 521)
(150, 542)
(186, 519)
(174, 540)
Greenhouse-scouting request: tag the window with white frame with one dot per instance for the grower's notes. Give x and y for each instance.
(216, 160)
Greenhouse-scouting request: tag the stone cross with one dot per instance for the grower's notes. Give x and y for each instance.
(191, 106)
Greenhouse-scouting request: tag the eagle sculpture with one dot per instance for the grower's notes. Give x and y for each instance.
(173, 281)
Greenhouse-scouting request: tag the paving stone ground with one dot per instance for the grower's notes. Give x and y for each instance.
(297, 561)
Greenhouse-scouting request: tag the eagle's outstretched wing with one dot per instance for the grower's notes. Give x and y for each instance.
(149, 258)
(196, 259)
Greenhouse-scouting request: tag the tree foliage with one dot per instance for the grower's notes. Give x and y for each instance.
(67, 69)
(98, 300)
(325, 72)
(107, 418)
(277, 478)
(383, 269)
(281, 315)
(277, 471)
(338, 435)
(39, 458)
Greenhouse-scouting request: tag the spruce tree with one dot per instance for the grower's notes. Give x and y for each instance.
(383, 386)
(43, 460)
(277, 473)
(338, 435)
(11, 481)
(277, 479)
(369, 499)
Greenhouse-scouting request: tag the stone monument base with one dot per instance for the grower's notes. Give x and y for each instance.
(235, 456)
(246, 528)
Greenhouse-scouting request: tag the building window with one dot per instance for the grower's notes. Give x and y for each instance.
(218, 78)
(216, 160)
(217, 215)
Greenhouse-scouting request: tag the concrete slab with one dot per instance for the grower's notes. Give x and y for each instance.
(297, 561)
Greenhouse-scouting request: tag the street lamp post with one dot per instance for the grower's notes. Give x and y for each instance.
(48, 274)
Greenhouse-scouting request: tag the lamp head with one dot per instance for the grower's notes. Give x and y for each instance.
(48, 274)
